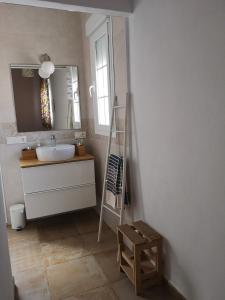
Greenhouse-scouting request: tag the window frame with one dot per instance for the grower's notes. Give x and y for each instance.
(105, 27)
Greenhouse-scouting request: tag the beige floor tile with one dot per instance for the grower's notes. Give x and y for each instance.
(108, 262)
(32, 285)
(25, 255)
(75, 277)
(87, 221)
(54, 229)
(104, 293)
(108, 241)
(60, 251)
(125, 290)
(29, 233)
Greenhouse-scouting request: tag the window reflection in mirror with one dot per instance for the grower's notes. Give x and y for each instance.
(46, 104)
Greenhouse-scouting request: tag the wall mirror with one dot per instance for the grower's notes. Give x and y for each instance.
(46, 104)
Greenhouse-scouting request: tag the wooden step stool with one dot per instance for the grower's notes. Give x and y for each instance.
(140, 254)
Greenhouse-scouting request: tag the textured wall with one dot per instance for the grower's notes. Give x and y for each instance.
(178, 117)
(25, 33)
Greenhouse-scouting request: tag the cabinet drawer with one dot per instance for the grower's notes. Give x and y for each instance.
(58, 176)
(55, 202)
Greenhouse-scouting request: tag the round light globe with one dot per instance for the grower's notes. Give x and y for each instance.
(48, 67)
(43, 74)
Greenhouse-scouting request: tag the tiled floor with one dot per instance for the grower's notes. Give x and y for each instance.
(59, 258)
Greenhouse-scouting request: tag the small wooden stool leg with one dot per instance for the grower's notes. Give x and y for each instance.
(137, 270)
(120, 249)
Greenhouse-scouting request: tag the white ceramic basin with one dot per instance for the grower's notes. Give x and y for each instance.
(55, 153)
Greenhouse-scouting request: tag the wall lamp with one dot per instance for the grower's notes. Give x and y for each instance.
(47, 67)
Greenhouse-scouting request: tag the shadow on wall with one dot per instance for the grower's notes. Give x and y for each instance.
(170, 261)
(134, 167)
(99, 166)
(134, 4)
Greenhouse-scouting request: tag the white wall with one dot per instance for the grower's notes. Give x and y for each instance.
(6, 281)
(178, 115)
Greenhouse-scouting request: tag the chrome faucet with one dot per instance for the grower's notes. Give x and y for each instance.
(53, 140)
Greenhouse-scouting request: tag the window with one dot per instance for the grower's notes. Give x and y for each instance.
(101, 90)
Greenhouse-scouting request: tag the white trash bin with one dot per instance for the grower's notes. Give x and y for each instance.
(17, 214)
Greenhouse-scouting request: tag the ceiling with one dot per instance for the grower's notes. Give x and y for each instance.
(115, 6)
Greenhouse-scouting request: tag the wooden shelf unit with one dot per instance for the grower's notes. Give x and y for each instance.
(142, 259)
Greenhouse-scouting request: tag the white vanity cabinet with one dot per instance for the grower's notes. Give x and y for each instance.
(57, 188)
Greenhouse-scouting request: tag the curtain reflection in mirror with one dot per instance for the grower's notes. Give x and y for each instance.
(46, 104)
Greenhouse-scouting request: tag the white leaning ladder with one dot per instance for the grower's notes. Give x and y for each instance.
(120, 211)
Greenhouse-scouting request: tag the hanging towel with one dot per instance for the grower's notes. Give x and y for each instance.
(114, 176)
(112, 200)
(114, 180)
(45, 104)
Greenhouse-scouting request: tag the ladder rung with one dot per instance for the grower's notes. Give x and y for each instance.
(119, 131)
(119, 106)
(111, 210)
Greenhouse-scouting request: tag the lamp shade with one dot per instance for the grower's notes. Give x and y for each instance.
(48, 67)
(43, 74)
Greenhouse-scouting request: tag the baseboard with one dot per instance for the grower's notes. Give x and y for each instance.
(174, 291)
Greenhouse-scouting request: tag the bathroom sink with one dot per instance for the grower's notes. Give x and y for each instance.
(55, 153)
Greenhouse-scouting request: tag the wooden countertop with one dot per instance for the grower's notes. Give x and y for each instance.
(36, 163)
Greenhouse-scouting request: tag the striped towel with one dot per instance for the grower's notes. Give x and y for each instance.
(114, 173)
(114, 176)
